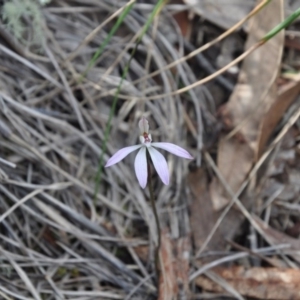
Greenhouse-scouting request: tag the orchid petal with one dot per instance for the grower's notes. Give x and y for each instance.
(174, 149)
(140, 166)
(160, 165)
(119, 155)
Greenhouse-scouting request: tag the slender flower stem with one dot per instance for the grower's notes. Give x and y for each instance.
(152, 200)
(157, 8)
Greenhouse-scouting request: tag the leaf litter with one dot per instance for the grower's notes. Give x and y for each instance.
(56, 239)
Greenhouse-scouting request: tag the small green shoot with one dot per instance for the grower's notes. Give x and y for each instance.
(98, 53)
(288, 21)
(149, 21)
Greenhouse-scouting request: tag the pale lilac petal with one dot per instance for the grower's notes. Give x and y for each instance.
(140, 166)
(160, 165)
(144, 125)
(174, 149)
(118, 156)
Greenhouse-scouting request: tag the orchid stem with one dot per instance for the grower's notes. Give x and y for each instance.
(152, 200)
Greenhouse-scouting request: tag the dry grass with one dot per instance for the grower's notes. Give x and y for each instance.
(56, 241)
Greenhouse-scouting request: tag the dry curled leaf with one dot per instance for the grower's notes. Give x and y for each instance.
(202, 213)
(174, 268)
(276, 237)
(260, 283)
(224, 13)
(252, 98)
(286, 95)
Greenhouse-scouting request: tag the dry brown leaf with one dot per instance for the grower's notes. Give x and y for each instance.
(182, 266)
(276, 237)
(174, 269)
(142, 252)
(234, 166)
(260, 283)
(182, 20)
(202, 214)
(254, 94)
(218, 202)
(285, 98)
(224, 13)
(167, 282)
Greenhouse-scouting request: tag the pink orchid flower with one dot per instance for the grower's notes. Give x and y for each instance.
(158, 159)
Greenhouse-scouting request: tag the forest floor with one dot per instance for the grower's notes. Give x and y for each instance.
(229, 218)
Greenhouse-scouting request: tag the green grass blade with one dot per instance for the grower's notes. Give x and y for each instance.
(149, 21)
(116, 26)
(282, 25)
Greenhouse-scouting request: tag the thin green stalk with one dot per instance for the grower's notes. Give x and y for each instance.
(290, 19)
(115, 99)
(152, 200)
(116, 26)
